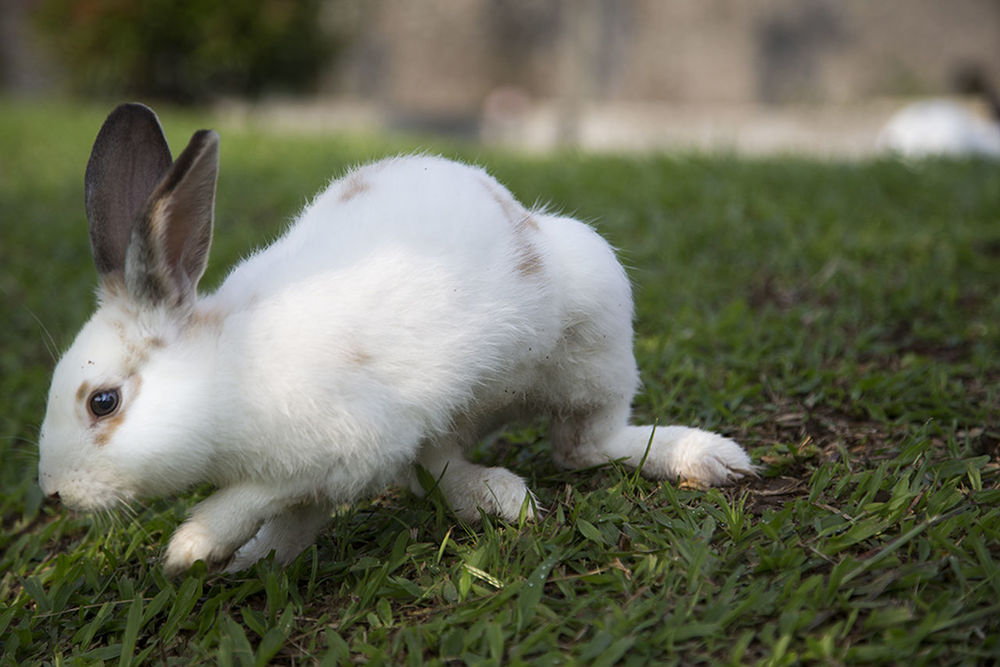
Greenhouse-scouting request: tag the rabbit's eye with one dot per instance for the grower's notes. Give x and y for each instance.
(104, 402)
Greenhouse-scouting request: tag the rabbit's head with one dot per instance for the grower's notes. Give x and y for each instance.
(123, 417)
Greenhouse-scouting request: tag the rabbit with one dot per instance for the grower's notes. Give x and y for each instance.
(945, 127)
(411, 308)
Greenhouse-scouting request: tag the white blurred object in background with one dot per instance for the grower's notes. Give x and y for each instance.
(940, 127)
(947, 127)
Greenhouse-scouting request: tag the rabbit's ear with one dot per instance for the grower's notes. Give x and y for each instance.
(130, 156)
(168, 250)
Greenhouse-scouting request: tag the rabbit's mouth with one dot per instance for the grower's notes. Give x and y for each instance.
(86, 494)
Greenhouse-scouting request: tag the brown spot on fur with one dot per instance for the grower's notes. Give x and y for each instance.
(112, 288)
(83, 392)
(137, 352)
(359, 357)
(353, 186)
(511, 208)
(106, 429)
(119, 328)
(207, 319)
(530, 263)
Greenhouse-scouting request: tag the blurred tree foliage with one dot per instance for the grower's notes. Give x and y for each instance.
(188, 50)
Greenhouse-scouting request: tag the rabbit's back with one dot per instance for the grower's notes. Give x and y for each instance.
(421, 212)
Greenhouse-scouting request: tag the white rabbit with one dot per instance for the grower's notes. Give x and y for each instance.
(942, 127)
(413, 306)
(939, 128)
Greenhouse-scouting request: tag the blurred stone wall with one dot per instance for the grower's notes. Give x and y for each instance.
(447, 56)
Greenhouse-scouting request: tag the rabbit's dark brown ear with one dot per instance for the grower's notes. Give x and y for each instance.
(168, 250)
(130, 156)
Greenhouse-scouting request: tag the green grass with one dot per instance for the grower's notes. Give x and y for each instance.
(840, 320)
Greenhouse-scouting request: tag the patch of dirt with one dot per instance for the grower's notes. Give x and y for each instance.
(905, 341)
(825, 429)
(808, 437)
(768, 290)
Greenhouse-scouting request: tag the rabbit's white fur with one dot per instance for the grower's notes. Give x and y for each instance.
(413, 306)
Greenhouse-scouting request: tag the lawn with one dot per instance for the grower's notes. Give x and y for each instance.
(842, 321)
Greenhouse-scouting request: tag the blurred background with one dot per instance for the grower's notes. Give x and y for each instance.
(816, 76)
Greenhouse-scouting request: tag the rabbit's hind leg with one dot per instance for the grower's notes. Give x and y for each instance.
(594, 436)
(589, 384)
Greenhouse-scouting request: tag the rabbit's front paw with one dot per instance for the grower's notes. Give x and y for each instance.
(497, 491)
(192, 542)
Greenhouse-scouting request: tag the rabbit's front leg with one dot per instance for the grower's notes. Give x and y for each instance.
(219, 525)
(469, 487)
(286, 534)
